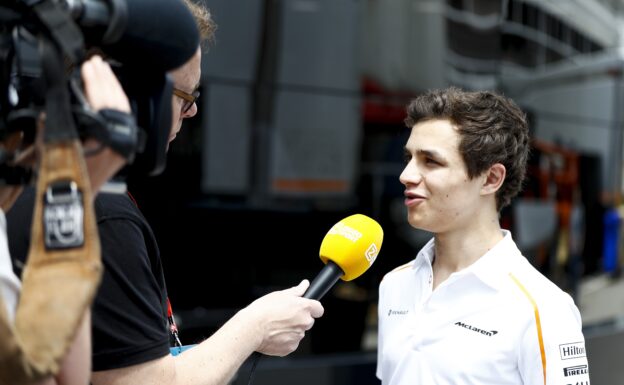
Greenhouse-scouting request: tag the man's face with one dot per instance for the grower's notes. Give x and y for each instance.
(440, 197)
(185, 79)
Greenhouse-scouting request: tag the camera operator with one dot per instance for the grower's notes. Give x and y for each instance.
(102, 91)
(133, 326)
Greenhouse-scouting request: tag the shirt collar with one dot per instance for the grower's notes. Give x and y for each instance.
(492, 268)
(425, 255)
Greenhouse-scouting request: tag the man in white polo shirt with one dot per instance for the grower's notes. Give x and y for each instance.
(470, 309)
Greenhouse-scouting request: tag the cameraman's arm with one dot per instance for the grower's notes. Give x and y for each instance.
(76, 366)
(103, 91)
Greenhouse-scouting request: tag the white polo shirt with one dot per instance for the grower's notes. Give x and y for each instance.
(9, 283)
(498, 321)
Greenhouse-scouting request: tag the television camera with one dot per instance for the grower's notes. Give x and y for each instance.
(43, 43)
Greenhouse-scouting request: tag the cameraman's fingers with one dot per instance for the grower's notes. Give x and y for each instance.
(102, 87)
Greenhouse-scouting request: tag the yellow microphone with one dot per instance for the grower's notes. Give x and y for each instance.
(349, 248)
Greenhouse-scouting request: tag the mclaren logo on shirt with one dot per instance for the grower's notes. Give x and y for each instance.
(575, 370)
(573, 350)
(488, 333)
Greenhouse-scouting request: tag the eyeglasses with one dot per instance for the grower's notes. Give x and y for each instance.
(189, 99)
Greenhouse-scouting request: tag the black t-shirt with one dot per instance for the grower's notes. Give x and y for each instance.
(129, 314)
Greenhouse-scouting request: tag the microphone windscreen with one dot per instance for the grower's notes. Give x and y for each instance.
(353, 245)
(160, 35)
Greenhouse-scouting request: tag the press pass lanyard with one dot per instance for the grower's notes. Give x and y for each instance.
(173, 328)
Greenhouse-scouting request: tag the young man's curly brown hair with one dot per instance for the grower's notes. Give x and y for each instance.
(492, 130)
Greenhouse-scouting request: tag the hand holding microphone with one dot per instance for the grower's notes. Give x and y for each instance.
(282, 317)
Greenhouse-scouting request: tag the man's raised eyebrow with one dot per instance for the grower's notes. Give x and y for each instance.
(431, 153)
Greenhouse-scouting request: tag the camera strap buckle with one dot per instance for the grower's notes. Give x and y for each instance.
(63, 216)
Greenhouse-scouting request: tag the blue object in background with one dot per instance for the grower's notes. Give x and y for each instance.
(611, 222)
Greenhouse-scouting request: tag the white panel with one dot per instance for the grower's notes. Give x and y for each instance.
(588, 16)
(234, 53)
(592, 98)
(315, 138)
(403, 43)
(318, 44)
(576, 108)
(227, 140)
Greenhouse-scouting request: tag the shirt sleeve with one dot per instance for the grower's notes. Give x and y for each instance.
(129, 323)
(553, 350)
(9, 283)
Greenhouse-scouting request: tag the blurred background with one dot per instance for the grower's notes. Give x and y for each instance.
(300, 125)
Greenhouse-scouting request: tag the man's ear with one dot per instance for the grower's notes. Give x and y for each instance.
(494, 178)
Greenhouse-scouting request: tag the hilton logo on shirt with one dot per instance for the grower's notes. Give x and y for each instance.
(575, 370)
(573, 350)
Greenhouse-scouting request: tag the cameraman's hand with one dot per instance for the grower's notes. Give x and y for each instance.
(282, 318)
(101, 86)
(103, 91)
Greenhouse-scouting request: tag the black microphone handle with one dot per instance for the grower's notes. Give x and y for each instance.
(324, 281)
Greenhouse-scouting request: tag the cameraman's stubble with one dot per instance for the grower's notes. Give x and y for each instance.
(185, 78)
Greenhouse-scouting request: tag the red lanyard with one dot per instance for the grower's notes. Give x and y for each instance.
(173, 328)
